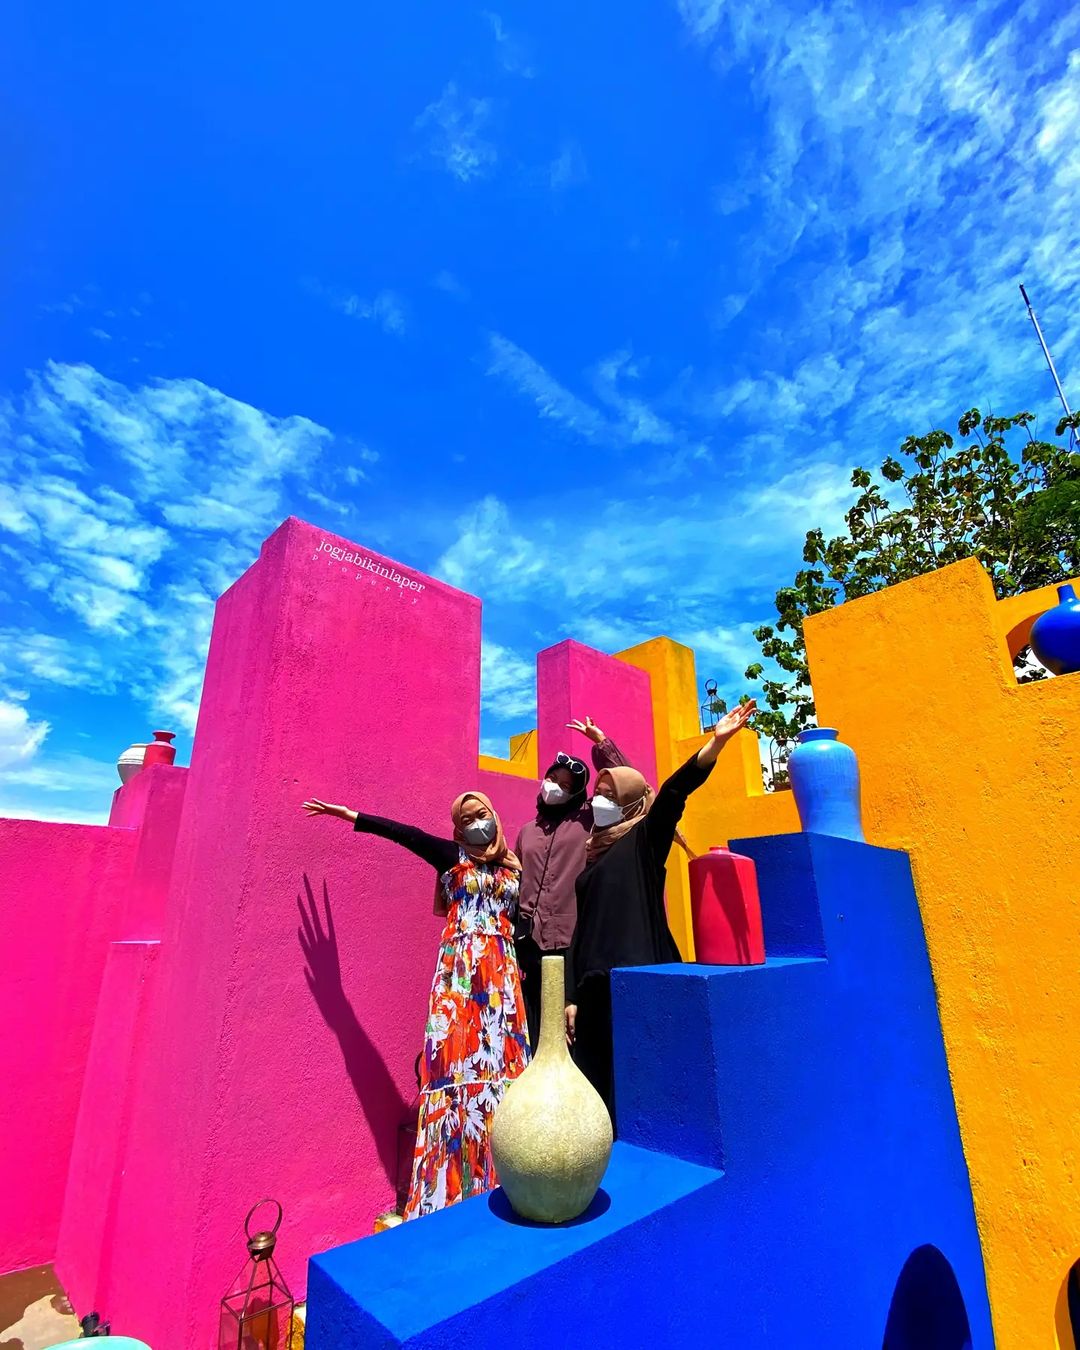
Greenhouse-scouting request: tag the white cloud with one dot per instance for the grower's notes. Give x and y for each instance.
(454, 127)
(205, 478)
(569, 168)
(64, 787)
(507, 684)
(20, 737)
(448, 283)
(387, 309)
(489, 547)
(625, 419)
(528, 377)
(511, 52)
(907, 168)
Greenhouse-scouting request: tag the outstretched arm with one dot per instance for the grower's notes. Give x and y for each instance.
(666, 811)
(442, 854)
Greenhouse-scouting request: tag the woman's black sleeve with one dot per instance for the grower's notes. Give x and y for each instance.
(442, 854)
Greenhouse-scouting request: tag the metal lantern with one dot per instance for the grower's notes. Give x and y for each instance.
(713, 706)
(258, 1313)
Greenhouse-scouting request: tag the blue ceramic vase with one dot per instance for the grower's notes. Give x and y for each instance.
(825, 780)
(1055, 635)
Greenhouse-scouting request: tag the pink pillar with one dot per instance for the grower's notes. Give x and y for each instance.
(61, 888)
(150, 805)
(575, 681)
(336, 674)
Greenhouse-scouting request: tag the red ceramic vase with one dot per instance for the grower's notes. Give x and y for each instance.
(159, 751)
(726, 910)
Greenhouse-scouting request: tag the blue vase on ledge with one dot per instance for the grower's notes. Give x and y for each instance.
(825, 780)
(1055, 635)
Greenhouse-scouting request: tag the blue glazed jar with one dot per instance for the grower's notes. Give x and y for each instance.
(1055, 635)
(825, 780)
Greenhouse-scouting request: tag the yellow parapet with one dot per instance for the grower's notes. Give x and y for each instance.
(973, 774)
(522, 761)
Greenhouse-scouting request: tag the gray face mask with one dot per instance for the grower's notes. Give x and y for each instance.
(479, 832)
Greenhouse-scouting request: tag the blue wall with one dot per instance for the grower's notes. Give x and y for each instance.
(788, 1140)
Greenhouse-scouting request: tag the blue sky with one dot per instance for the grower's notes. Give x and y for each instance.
(589, 309)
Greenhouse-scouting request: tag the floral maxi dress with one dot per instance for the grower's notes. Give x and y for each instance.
(476, 1041)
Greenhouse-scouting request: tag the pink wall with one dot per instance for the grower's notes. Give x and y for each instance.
(61, 888)
(323, 679)
(224, 1065)
(150, 803)
(574, 681)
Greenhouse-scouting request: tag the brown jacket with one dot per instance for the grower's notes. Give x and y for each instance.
(552, 855)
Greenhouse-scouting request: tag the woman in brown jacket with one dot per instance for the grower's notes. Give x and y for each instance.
(552, 853)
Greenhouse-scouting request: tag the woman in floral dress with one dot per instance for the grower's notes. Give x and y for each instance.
(476, 1041)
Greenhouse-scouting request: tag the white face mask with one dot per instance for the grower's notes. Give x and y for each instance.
(479, 832)
(552, 793)
(606, 812)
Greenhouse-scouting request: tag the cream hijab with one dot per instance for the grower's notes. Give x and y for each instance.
(635, 797)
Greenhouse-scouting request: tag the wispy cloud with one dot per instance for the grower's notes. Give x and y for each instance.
(507, 683)
(913, 165)
(449, 284)
(568, 168)
(62, 787)
(513, 57)
(525, 374)
(620, 417)
(387, 309)
(20, 736)
(206, 477)
(455, 130)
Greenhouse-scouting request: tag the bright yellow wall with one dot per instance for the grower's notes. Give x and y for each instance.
(522, 761)
(673, 679)
(974, 776)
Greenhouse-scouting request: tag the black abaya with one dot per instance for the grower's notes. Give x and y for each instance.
(622, 922)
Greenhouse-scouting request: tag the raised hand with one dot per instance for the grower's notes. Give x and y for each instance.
(734, 721)
(587, 728)
(728, 725)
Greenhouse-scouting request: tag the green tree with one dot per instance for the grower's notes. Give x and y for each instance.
(964, 496)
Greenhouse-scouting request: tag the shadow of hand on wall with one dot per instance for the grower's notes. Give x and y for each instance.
(382, 1104)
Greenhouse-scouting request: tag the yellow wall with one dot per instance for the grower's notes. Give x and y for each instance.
(522, 761)
(974, 776)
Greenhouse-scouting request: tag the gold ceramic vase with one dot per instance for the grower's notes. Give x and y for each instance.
(551, 1137)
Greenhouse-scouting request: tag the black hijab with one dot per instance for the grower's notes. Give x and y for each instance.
(574, 802)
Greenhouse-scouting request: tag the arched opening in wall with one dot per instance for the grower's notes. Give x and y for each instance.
(1067, 1312)
(927, 1310)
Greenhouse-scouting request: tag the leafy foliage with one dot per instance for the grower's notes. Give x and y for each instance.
(963, 496)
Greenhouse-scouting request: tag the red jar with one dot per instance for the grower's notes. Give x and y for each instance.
(726, 910)
(159, 751)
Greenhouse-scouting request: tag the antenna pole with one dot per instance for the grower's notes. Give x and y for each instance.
(1050, 363)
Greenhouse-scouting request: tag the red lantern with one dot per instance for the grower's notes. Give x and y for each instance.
(726, 909)
(258, 1313)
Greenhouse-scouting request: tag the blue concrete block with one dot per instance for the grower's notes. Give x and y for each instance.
(454, 1278)
(821, 1087)
(816, 1082)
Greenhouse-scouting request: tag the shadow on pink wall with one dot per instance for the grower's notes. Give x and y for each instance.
(264, 992)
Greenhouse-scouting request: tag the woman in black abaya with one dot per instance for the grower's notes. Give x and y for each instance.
(620, 894)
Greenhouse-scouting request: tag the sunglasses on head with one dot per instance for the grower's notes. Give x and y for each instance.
(565, 761)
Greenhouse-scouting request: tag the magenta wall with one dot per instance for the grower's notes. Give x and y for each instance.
(150, 804)
(224, 1067)
(576, 681)
(61, 889)
(323, 679)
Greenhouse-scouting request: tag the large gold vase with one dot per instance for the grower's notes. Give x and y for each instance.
(551, 1138)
